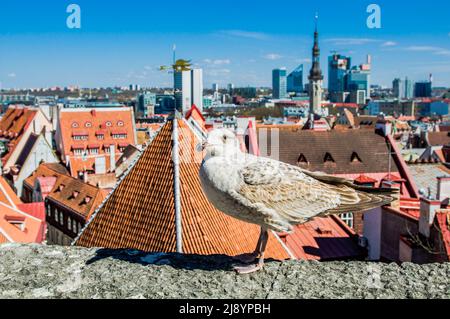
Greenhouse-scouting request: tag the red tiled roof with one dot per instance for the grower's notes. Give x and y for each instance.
(118, 121)
(443, 219)
(144, 217)
(364, 179)
(13, 124)
(34, 209)
(324, 239)
(33, 228)
(7, 194)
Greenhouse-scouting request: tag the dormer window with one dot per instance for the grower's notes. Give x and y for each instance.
(75, 194)
(328, 158)
(355, 158)
(75, 125)
(61, 187)
(302, 159)
(86, 201)
(88, 125)
(120, 124)
(18, 222)
(108, 124)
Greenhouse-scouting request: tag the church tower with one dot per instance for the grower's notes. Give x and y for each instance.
(315, 79)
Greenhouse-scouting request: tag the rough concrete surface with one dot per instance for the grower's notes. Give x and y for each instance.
(33, 271)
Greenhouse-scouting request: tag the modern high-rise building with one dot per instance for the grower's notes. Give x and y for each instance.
(295, 80)
(338, 68)
(215, 87)
(359, 79)
(188, 89)
(230, 88)
(398, 88)
(279, 83)
(424, 88)
(409, 89)
(145, 100)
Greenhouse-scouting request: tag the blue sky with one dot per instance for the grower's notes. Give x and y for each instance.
(124, 42)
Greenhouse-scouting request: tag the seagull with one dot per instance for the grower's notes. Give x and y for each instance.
(273, 195)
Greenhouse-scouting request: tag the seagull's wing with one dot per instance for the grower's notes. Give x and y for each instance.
(284, 195)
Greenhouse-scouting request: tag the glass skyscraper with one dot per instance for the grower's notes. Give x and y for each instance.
(409, 88)
(338, 68)
(295, 80)
(279, 83)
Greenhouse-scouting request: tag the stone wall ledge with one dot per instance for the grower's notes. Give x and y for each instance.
(35, 271)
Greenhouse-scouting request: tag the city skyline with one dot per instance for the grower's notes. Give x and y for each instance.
(120, 45)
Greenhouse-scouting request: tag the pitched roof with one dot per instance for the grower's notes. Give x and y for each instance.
(74, 194)
(46, 170)
(324, 239)
(13, 124)
(332, 152)
(26, 151)
(425, 176)
(17, 226)
(99, 126)
(7, 194)
(143, 218)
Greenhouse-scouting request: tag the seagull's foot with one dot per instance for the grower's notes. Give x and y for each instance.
(247, 258)
(249, 269)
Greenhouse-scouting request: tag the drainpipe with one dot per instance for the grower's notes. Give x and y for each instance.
(176, 164)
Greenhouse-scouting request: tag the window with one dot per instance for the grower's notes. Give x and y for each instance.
(93, 151)
(107, 149)
(61, 218)
(74, 227)
(119, 136)
(56, 215)
(75, 125)
(49, 212)
(78, 151)
(80, 137)
(88, 124)
(348, 219)
(69, 223)
(100, 136)
(120, 123)
(108, 124)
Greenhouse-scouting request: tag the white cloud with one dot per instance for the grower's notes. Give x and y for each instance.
(351, 41)
(389, 44)
(273, 56)
(217, 62)
(305, 60)
(431, 49)
(12, 75)
(217, 72)
(246, 34)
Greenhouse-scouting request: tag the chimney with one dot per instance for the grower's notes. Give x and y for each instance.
(443, 188)
(428, 209)
(85, 177)
(112, 157)
(384, 127)
(393, 185)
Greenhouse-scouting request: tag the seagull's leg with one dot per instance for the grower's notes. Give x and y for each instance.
(260, 264)
(250, 258)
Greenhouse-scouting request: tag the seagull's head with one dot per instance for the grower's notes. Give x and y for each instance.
(221, 142)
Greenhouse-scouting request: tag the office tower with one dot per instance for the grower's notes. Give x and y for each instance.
(279, 83)
(144, 101)
(338, 68)
(423, 89)
(215, 87)
(359, 78)
(188, 89)
(295, 80)
(315, 79)
(409, 88)
(230, 88)
(398, 88)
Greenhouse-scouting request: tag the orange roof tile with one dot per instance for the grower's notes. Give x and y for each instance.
(89, 122)
(324, 239)
(140, 213)
(19, 227)
(7, 195)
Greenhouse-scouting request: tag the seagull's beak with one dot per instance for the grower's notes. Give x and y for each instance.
(201, 147)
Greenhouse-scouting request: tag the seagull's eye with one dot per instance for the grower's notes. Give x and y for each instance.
(224, 138)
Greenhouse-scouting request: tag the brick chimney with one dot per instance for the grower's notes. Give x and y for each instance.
(428, 209)
(393, 185)
(443, 188)
(112, 154)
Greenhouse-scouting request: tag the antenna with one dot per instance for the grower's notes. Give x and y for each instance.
(174, 53)
(316, 18)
